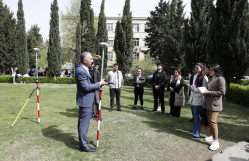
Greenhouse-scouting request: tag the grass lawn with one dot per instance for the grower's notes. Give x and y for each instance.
(127, 135)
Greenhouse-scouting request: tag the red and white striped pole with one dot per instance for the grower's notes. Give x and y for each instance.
(37, 87)
(103, 45)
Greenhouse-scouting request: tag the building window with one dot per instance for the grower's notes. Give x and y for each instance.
(146, 27)
(110, 56)
(136, 55)
(110, 43)
(146, 43)
(109, 27)
(136, 27)
(136, 42)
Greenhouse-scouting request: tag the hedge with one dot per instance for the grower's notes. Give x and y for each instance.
(244, 82)
(6, 79)
(238, 94)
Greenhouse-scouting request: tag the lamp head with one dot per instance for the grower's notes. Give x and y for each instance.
(103, 44)
(36, 49)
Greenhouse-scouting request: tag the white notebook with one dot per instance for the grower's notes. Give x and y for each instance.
(203, 89)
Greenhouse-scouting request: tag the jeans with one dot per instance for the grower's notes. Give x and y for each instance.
(139, 92)
(196, 121)
(113, 92)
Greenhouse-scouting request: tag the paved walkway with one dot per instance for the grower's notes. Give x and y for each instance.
(237, 152)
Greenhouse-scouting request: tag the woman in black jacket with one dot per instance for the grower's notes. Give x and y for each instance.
(139, 83)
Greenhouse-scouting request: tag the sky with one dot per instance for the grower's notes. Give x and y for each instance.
(38, 11)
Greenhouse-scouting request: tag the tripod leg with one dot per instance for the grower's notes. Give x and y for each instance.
(20, 112)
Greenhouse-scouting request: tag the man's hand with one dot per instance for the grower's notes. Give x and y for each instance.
(103, 83)
(137, 81)
(97, 57)
(171, 89)
(156, 87)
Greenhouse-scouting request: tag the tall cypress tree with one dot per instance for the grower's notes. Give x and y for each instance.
(78, 43)
(196, 33)
(87, 27)
(229, 37)
(126, 23)
(34, 40)
(102, 35)
(54, 48)
(21, 41)
(120, 46)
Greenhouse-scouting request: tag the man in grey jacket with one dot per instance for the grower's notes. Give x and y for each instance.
(84, 98)
(115, 81)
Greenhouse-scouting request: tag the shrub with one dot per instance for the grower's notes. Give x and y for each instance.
(244, 82)
(6, 79)
(238, 94)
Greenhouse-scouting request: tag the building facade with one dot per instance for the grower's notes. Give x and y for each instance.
(140, 46)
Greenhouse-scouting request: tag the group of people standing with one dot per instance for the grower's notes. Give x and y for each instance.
(206, 105)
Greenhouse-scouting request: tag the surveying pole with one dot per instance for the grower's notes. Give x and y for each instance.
(104, 45)
(37, 85)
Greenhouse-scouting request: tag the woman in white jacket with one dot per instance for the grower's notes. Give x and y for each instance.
(196, 98)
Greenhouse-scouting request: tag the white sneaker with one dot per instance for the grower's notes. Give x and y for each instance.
(209, 139)
(214, 146)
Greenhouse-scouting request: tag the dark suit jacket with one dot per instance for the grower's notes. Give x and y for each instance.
(217, 89)
(160, 81)
(85, 89)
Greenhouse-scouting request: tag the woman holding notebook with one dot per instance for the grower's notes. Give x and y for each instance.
(200, 83)
(213, 102)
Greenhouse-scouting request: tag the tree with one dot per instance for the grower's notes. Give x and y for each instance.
(165, 34)
(120, 46)
(87, 27)
(196, 33)
(7, 39)
(54, 48)
(228, 41)
(34, 40)
(21, 41)
(124, 43)
(102, 35)
(78, 43)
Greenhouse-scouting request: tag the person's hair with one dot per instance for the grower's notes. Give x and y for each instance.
(83, 56)
(201, 75)
(97, 64)
(139, 69)
(115, 65)
(159, 64)
(178, 71)
(217, 69)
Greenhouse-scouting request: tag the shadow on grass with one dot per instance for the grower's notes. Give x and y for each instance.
(181, 127)
(54, 133)
(73, 112)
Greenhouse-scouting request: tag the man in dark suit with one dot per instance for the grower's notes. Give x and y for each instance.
(84, 98)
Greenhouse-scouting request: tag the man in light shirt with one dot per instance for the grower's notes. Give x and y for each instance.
(115, 81)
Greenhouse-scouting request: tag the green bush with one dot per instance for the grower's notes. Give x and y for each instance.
(238, 94)
(6, 79)
(244, 82)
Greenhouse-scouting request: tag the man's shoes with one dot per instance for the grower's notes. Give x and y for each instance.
(134, 108)
(195, 137)
(88, 149)
(153, 111)
(142, 108)
(111, 110)
(163, 113)
(119, 110)
(95, 116)
(191, 120)
(89, 142)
